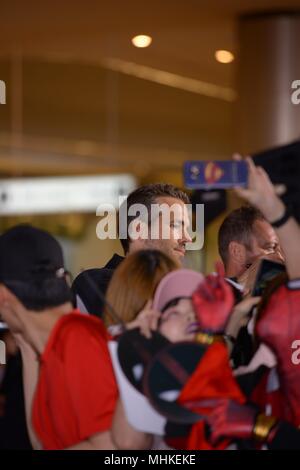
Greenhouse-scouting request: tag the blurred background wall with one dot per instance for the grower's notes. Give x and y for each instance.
(81, 99)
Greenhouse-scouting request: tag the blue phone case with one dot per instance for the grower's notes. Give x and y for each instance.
(219, 174)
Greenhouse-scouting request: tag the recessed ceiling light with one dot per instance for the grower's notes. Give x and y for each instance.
(142, 40)
(225, 57)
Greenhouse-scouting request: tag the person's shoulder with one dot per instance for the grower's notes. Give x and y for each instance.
(80, 325)
(114, 261)
(93, 274)
(89, 287)
(81, 320)
(98, 274)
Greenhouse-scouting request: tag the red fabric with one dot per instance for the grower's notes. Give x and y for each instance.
(213, 378)
(278, 326)
(76, 392)
(270, 402)
(176, 442)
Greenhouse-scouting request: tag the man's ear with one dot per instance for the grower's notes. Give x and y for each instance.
(237, 252)
(138, 230)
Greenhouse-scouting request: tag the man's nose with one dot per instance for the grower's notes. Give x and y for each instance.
(186, 238)
(191, 316)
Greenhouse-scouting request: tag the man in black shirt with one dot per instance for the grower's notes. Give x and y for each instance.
(90, 286)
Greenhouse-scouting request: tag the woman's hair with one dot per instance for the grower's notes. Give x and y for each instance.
(134, 283)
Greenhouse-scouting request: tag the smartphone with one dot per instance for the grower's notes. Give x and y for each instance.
(266, 272)
(220, 174)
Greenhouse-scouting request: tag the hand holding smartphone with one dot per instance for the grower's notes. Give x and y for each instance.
(220, 174)
(267, 271)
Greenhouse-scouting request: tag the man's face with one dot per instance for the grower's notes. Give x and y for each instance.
(169, 230)
(178, 323)
(264, 243)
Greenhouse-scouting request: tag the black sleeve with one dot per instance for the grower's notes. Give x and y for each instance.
(91, 286)
(243, 349)
(287, 437)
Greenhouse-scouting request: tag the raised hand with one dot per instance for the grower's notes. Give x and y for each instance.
(261, 192)
(146, 320)
(213, 302)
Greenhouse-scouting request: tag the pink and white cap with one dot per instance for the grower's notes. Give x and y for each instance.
(176, 284)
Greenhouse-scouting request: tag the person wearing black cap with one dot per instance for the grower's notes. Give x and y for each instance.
(85, 292)
(68, 405)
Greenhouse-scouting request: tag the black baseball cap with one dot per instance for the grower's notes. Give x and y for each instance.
(28, 253)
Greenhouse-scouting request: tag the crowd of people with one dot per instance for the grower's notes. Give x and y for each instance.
(146, 354)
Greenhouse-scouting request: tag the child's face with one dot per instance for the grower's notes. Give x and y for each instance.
(178, 323)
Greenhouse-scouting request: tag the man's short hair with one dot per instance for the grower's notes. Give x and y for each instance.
(147, 195)
(237, 226)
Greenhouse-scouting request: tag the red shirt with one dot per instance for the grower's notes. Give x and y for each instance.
(76, 392)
